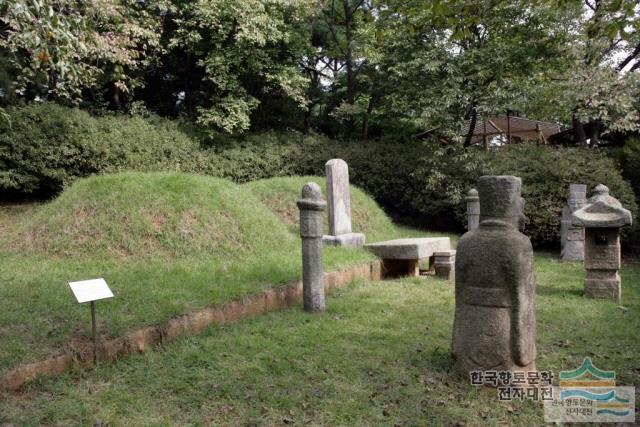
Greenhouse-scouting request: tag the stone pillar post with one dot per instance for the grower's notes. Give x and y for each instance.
(571, 236)
(312, 208)
(473, 209)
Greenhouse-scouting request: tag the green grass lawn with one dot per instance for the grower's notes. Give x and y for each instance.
(171, 243)
(166, 243)
(380, 355)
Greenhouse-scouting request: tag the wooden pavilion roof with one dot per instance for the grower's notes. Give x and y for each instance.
(519, 127)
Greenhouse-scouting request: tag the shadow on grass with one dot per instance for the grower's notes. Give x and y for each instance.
(554, 291)
(440, 358)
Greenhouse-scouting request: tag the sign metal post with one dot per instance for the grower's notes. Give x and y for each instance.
(91, 291)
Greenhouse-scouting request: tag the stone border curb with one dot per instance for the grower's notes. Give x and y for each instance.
(143, 339)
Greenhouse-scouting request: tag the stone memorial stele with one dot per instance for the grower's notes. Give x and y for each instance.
(602, 218)
(473, 209)
(312, 209)
(572, 236)
(494, 325)
(339, 201)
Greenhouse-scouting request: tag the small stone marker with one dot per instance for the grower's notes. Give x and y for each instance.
(473, 209)
(602, 218)
(445, 264)
(572, 236)
(495, 326)
(312, 208)
(91, 291)
(339, 201)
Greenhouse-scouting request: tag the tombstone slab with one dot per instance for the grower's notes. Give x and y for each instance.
(401, 257)
(494, 325)
(339, 206)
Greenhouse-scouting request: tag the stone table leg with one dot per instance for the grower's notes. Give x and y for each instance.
(400, 267)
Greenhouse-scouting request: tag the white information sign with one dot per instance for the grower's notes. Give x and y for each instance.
(90, 290)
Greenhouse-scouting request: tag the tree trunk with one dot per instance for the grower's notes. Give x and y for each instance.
(472, 127)
(594, 134)
(365, 121)
(188, 93)
(116, 102)
(351, 90)
(52, 83)
(578, 130)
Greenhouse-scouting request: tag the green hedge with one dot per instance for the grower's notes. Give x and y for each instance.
(546, 174)
(45, 147)
(428, 182)
(48, 146)
(628, 157)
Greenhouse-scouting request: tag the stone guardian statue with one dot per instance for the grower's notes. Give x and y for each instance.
(495, 326)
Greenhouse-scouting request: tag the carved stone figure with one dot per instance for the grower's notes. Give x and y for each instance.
(495, 325)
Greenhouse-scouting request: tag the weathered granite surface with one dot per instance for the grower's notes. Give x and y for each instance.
(339, 202)
(494, 325)
(572, 236)
(445, 264)
(352, 240)
(401, 257)
(312, 207)
(602, 218)
(412, 248)
(602, 211)
(473, 209)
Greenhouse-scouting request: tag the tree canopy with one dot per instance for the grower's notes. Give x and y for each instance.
(349, 68)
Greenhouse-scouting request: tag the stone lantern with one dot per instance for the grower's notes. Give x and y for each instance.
(602, 218)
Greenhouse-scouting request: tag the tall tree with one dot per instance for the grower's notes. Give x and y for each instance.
(340, 37)
(452, 60)
(241, 51)
(60, 48)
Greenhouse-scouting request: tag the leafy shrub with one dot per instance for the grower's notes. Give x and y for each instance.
(45, 147)
(546, 174)
(628, 157)
(427, 183)
(270, 154)
(49, 146)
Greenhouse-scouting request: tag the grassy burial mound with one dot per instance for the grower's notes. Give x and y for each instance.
(167, 244)
(141, 215)
(280, 195)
